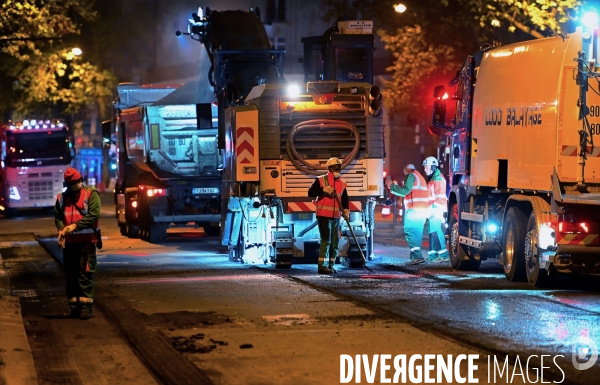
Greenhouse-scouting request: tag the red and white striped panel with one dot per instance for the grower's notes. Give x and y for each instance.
(573, 151)
(578, 239)
(311, 207)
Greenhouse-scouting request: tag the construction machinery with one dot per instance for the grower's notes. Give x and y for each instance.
(276, 137)
(524, 168)
(168, 165)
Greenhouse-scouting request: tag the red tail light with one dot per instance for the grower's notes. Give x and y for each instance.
(152, 192)
(573, 227)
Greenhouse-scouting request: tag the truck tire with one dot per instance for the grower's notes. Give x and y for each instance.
(157, 232)
(458, 252)
(515, 229)
(535, 275)
(132, 230)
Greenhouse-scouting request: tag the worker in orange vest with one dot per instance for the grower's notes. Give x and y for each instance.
(416, 202)
(76, 215)
(438, 207)
(329, 212)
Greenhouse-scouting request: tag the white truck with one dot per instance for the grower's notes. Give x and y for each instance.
(35, 155)
(524, 165)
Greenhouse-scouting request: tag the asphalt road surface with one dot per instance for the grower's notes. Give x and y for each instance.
(180, 313)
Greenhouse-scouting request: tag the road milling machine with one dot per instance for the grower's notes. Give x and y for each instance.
(275, 137)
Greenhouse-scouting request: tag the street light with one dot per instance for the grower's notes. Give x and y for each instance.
(400, 8)
(76, 51)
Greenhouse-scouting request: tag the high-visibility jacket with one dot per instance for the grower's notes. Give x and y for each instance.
(74, 212)
(327, 206)
(418, 198)
(438, 201)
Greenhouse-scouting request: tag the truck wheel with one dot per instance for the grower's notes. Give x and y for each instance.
(123, 229)
(515, 228)
(157, 233)
(535, 275)
(458, 252)
(132, 231)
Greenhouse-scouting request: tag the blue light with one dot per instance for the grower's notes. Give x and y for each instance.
(492, 228)
(113, 166)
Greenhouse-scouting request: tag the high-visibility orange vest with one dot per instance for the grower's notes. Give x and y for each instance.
(437, 192)
(418, 198)
(75, 212)
(327, 206)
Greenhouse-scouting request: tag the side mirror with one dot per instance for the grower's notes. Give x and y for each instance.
(439, 113)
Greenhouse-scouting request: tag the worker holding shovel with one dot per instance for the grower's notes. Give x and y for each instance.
(329, 211)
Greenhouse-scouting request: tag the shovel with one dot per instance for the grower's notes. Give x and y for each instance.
(339, 202)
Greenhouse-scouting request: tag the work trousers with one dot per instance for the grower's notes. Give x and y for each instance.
(414, 221)
(79, 260)
(329, 229)
(437, 241)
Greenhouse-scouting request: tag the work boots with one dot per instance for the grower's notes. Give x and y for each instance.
(325, 270)
(332, 269)
(86, 313)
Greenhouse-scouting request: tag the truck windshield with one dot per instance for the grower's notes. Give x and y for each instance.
(351, 64)
(37, 148)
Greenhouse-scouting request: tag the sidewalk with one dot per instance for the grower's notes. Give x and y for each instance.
(16, 361)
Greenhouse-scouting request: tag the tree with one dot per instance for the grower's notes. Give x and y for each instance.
(36, 38)
(538, 18)
(417, 67)
(429, 41)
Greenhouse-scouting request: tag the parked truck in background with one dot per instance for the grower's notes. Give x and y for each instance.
(524, 168)
(276, 137)
(35, 155)
(168, 165)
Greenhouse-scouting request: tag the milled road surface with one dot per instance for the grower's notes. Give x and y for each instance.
(240, 324)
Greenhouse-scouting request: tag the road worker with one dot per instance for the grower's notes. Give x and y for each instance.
(76, 215)
(416, 203)
(325, 188)
(438, 207)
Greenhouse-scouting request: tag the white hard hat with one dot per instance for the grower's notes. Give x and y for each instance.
(430, 161)
(410, 166)
(333, 162)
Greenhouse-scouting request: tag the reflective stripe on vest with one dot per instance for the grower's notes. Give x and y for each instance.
(328, 206)
(418, 198)
(437, 193)
(72, 215)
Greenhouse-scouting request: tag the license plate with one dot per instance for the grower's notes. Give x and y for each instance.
(205, 190)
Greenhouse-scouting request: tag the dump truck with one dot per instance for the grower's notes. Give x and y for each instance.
(168, 165)
(524, 167)
(276, 137)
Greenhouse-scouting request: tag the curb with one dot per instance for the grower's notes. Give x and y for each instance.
(17, 365)
(5, 289)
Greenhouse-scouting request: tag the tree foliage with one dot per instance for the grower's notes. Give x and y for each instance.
(37, 62)
(429, 41)
(537, 18)
(416, 64)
